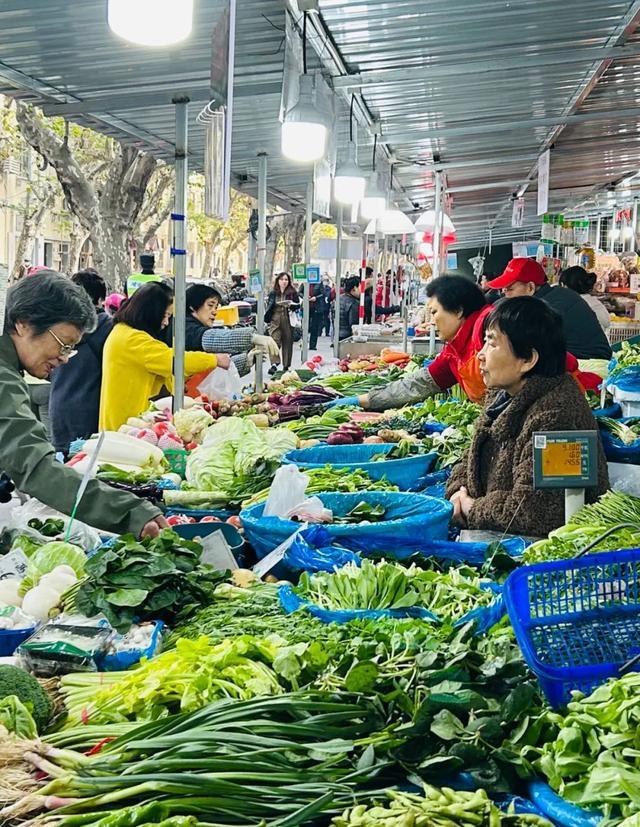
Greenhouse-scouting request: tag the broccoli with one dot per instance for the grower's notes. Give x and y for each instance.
(15, 681)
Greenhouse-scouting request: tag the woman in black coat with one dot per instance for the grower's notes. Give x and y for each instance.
(283, 298)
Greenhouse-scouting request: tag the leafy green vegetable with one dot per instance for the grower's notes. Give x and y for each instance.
(627, 432)
(627, 357)
(362, 512)
(16, 718)
(590, 754)
(148, 579)
(48, 557)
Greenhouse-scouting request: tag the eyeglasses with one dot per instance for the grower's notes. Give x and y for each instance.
(67, 351)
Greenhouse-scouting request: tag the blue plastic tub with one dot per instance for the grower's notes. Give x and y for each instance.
(615, 450)
(576, 621)
(404, 473)
(410, 519)
(10, 639)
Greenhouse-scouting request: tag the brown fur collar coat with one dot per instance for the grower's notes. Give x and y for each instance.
(497, 470)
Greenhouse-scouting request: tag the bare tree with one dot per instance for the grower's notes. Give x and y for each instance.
(43, 197)
(107, 204)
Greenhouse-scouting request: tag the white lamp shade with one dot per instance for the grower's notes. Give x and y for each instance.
(373, 206)
(303, 141)
(151, 22)
(391, 222)
(349, 184)
(427, 222)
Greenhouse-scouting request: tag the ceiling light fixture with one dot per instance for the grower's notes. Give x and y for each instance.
(349, 184)
(151, 22)
(304, 133)
(374, 203)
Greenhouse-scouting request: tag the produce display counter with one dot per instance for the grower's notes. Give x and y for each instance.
(380, 684)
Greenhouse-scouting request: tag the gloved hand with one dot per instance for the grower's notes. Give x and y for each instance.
(258, 340)
(342, 403)
(253, 355)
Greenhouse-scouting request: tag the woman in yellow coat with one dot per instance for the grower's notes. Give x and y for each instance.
(135, 364)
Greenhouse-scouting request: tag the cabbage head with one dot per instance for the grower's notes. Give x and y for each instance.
(211, 466)
(48, 557)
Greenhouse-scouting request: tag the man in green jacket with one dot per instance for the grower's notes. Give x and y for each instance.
(46, 317)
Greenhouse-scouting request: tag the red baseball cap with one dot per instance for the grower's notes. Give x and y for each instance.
(519, 269)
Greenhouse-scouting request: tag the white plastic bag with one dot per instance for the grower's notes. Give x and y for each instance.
(81, 534)
(286, 492)
(222, 384)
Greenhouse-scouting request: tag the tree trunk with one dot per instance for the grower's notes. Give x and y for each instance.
(77, 237)
(108, 216)
(277, 229)
(294, 238)
(30, 228)
(208, 259)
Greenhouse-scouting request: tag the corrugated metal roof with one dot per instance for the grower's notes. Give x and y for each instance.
(479, 88)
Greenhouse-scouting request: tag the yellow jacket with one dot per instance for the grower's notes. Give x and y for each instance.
(135, 366)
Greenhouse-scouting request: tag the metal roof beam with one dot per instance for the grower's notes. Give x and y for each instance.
(461, 66)
(488, 127)
(626, 27)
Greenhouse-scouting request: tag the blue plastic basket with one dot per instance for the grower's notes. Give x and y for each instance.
(576, 621)
(10, 639)
(404, 473)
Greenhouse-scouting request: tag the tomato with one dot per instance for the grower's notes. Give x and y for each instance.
(191, 445)
(180, 519)
(211, 519)
(236, 522)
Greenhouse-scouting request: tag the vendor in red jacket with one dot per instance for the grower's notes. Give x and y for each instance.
(458, 310)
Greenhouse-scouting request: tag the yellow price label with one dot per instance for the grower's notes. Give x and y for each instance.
(562, 459)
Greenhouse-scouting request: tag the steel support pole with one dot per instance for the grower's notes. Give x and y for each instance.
(307, 260)
(598, 240)
(179, 251)
(612, 244)
(437, 208)
(336, 307)
(363, 279)
(634, 225)
(261, 253)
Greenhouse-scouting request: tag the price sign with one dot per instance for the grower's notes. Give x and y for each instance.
(255, 282)
(313, 274)
(299, 272)
(565, 459)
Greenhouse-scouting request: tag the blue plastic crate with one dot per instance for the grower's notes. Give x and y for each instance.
(576, 621)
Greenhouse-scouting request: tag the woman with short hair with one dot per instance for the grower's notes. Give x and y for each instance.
(45, 320)
(136, 364)
(202, 304)
(523, 362)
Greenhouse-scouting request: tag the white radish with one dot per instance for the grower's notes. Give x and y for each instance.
(39, 601)
(9, 592)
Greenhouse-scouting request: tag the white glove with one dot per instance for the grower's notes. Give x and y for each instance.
(253, 355)
(266, 342)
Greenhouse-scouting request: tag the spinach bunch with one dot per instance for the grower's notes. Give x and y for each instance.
(150, 579)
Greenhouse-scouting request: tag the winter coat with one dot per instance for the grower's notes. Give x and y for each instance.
(290, 294)
(349, 310)
(28, 458)
(497, 469)
(585, 338)
(457, 363)
(74, 403)
(135, 367)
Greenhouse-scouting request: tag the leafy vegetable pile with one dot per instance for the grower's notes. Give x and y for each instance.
(236, 459)
(181, 680)
(627, 432)
(434, 808)
(590, 754)
(627, 357)
(146, 579)
(332, 479)
(387, 585)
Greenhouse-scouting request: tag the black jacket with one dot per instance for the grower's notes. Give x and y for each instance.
(585, 337)
(349, 307)
(75, 389)
(271, 302)
(193, 331)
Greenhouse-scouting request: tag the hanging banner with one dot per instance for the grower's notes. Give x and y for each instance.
(544, 162)
(517, 216)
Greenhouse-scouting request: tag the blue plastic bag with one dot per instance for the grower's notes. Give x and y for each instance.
(312, 551)
(123, 660)
(616, 450)
(410, 520)
(558, 810)
(434, 481)
(611, 411)
(624, 379)
(291, 602)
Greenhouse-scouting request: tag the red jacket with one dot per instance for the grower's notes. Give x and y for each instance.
(458, 361)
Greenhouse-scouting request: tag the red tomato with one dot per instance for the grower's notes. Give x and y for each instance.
(211, 519)
(180, 519)
(236, 522)
(191, 445)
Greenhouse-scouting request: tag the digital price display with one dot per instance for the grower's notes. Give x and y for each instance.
(565, 459)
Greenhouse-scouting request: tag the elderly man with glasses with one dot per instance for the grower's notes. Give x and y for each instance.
(45, 319)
